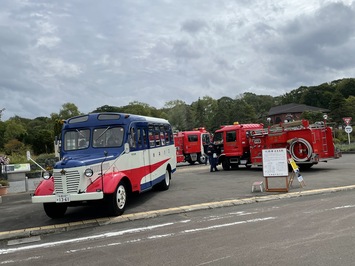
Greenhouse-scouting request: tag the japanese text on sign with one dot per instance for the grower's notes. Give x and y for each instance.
(275, 162)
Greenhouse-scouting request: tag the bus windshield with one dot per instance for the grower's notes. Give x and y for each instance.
(108, 137)
(79, 139)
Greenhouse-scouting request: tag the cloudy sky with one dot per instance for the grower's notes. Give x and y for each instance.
(112, 52)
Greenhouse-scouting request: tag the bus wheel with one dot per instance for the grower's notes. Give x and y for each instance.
(165, 183)
(55, 210)
(118, 200)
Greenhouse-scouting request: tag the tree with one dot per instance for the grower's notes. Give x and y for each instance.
(107, 108)
(68, 110)
(350, 103)
(14, 146)
(177, 112)
(338, 108)
(347, 87)
(224, 113)
(312, 116)
(261, 105)
(15, 129)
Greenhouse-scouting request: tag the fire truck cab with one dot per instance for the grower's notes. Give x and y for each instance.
(190, 145)
(234, 144)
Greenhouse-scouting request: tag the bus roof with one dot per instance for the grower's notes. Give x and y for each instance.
(108, 118)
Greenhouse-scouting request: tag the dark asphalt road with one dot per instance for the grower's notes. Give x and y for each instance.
(192, 184)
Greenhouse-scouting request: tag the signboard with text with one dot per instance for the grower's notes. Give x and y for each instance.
(275, 162)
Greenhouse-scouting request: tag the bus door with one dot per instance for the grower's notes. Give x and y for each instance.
(143, 160)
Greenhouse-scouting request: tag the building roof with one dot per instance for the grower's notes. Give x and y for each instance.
(294, 108)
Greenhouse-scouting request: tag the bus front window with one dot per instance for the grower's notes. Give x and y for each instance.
(108, 137)
(76, 139)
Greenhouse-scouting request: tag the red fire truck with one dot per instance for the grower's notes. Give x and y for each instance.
(242, 144)
(190, 145)
(234, 144)
(306, 144)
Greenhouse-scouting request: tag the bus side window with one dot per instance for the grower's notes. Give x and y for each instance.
(162, 135)
(132, 138)
(140, 135)
(144, 134)
(151, 139)
(157, 136)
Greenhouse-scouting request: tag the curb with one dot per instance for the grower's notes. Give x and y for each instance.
(36, 231)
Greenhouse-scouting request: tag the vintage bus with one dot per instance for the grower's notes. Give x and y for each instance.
(104, 157)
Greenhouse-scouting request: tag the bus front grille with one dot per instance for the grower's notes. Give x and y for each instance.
(66, 183)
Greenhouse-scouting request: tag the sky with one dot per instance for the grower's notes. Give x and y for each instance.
(113, 52)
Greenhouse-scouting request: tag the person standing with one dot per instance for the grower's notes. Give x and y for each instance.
(212, 157)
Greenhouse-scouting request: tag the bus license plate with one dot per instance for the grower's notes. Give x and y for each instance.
(62, 198)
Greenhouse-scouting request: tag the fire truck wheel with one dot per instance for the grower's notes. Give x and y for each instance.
(118, 200)
(191, 162)
(202, 159)
(305, 166)
(55, 210)
(225, 165)
(301, 150)
(165, 183)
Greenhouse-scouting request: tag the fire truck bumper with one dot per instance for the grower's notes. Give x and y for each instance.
(63, 198)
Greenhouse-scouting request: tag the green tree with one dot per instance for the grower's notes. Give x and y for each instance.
(177, 112)
(15, 129)
(261, 105)
(318, 96)
(107, 108)
(350, 103)
(312, 116)
(40, 135)
(338, 107)
(14, 146)
(2, 134)
(244, 113)
(68, 110)
(224, 113)
(347, 87)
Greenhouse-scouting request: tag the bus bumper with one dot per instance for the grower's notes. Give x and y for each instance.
(64, 198)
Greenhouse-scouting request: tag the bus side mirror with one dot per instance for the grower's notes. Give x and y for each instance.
(126, 147)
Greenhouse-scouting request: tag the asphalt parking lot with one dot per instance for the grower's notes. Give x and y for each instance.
(193, 187)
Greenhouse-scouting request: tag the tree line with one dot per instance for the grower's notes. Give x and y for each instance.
(19, 134)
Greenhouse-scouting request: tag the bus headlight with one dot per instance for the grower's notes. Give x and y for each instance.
(88, 172)
(46, 175)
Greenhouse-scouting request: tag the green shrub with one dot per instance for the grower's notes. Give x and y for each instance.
(4, 183)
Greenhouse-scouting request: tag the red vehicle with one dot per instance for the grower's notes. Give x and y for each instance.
(234, 144)
(190, 145)
(307, 144)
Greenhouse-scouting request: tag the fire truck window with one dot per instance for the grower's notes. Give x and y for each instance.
(230, 136)
(205, 139)
(192, 138)
(218, 137)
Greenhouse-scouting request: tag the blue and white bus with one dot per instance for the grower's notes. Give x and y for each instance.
(106, 156)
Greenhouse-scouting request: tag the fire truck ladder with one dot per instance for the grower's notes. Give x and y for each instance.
(324, 140)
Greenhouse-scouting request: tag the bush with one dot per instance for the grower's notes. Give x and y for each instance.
(4, 183)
